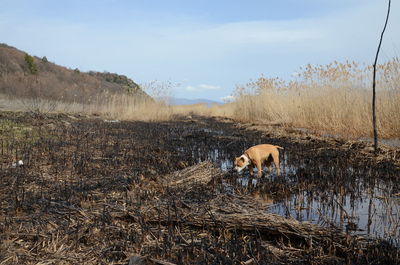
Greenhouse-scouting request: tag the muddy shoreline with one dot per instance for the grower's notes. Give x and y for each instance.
(99, 192)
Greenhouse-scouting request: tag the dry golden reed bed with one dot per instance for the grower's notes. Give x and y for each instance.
(334, 99)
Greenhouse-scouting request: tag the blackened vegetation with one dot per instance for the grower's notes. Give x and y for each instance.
(100, 192)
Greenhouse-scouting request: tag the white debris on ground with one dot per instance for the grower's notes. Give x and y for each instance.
(17, 164)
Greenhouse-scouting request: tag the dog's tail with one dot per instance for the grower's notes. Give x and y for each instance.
(279, 147)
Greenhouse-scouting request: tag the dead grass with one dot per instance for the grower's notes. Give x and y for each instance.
(116, 106)
(335, 99)
(203, 110)
(330, 99)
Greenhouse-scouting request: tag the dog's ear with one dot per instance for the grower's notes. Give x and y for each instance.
(237, 159)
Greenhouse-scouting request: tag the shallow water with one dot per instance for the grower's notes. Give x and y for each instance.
(321, 187)
(367, 211)
(388, 142)
(330, 194)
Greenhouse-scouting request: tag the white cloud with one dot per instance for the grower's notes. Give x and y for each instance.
(210, 87)
(296, 74)
(262, 32)
(202, 87)
(228, 99)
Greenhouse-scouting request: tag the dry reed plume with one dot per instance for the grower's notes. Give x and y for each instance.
(335, 98)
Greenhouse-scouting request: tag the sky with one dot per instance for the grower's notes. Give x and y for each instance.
(200, 48)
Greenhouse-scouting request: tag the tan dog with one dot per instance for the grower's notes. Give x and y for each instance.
(257, 156)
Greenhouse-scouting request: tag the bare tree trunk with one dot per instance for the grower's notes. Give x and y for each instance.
(373, 84)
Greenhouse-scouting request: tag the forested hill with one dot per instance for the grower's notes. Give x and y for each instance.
(24, 75)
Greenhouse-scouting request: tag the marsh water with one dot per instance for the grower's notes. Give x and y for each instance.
(94, 190)
(327, 189)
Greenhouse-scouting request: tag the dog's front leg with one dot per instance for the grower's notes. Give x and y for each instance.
(251, 169)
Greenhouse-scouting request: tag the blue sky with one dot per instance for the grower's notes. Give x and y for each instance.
(204, 47)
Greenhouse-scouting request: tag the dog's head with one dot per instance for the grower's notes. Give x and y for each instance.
(241, 162)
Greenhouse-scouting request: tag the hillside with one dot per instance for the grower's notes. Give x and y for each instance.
(23, 75)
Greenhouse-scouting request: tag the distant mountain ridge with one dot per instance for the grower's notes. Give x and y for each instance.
(186, 101)
(23, 75)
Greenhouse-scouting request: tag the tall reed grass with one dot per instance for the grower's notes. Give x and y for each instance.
(334, 99)
(114, 106)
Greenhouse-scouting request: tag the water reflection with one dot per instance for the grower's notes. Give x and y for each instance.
(324, 191)
(355, 201)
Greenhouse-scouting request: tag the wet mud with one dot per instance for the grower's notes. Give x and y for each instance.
(96, 191)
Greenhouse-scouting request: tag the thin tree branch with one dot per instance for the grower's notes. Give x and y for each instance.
(374, 83)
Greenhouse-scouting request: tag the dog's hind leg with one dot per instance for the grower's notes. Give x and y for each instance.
(259, 169)
(267, 163)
